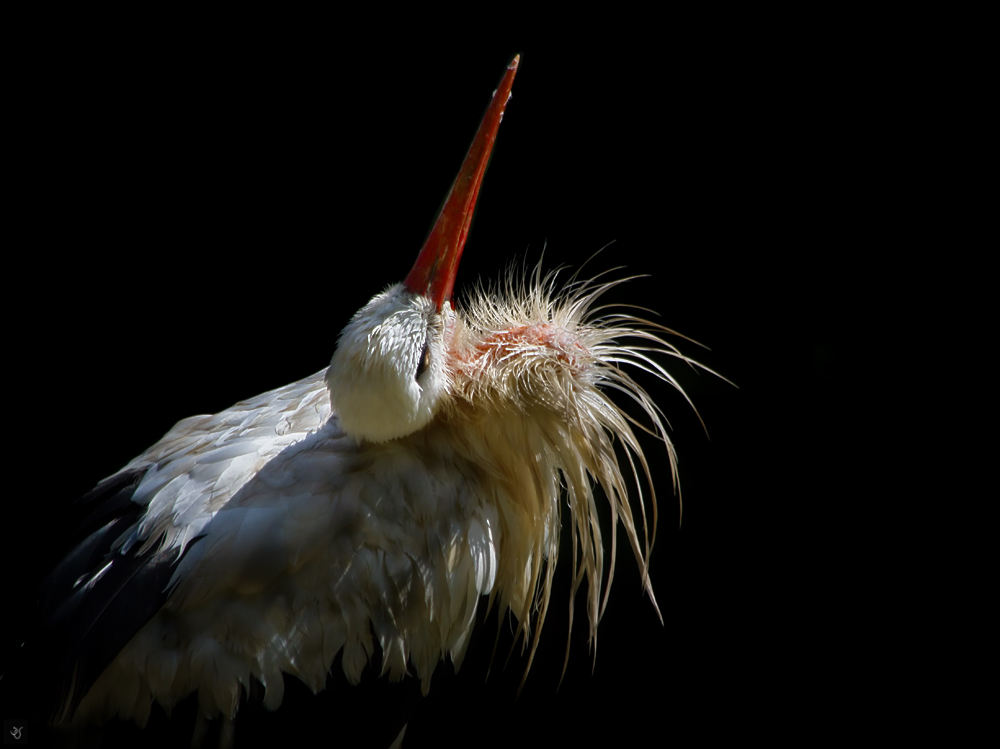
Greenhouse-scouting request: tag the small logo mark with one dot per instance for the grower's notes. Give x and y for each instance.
(15, 733)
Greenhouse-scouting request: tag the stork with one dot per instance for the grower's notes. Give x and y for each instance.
(374, 504)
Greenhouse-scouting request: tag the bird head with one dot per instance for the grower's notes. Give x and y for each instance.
(389, 373)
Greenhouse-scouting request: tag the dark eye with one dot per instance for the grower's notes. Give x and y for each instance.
(425, 360)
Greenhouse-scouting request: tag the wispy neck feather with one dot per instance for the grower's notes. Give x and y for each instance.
(528, 405)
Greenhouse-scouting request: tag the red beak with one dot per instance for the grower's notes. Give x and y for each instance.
(434, 272)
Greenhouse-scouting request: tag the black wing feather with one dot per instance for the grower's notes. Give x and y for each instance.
(97, 598)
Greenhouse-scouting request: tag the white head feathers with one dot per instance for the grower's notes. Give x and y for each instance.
(388, 374)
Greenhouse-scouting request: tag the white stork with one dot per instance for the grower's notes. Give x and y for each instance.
(372, 505)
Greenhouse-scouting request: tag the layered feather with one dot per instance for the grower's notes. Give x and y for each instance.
(311, 542)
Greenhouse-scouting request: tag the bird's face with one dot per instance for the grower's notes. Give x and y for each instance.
(390, 372)
(388, 376)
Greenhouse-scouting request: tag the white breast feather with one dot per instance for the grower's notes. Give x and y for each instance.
(306, 540)
(311, 541)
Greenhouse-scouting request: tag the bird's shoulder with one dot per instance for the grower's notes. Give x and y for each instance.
(203, 461)
(268, 421)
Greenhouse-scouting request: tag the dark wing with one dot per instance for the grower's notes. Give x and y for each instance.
(97, 585)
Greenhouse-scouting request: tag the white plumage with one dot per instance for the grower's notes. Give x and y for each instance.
(373, 504)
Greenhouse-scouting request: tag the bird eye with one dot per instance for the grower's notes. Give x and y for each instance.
(425, 360)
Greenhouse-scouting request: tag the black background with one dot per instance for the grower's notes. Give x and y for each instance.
(197, 214)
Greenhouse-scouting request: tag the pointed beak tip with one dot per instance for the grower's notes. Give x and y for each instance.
(433, 274)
